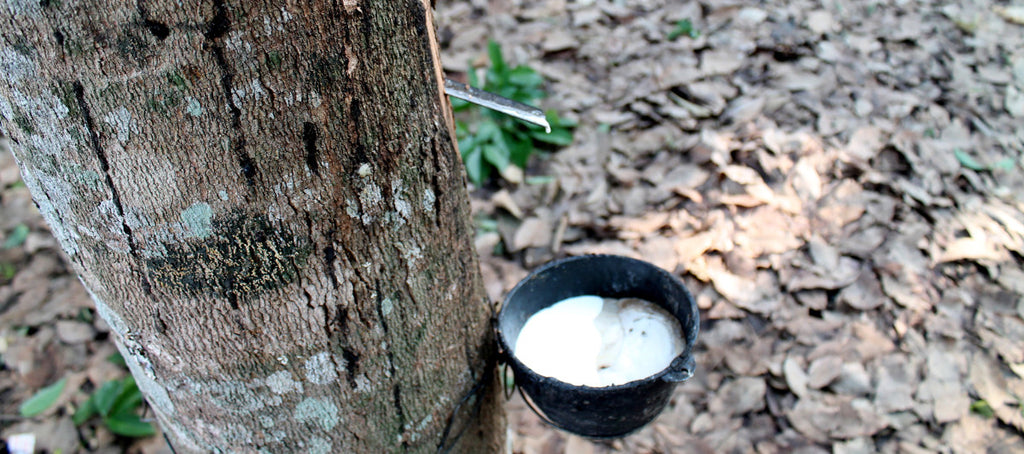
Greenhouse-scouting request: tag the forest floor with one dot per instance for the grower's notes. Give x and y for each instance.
(840, 184)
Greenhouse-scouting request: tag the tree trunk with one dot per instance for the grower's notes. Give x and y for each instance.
(266, 204)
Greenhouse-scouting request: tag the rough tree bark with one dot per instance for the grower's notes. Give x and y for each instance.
(265, 201)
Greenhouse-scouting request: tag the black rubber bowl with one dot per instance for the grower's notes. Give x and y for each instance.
(612, 411)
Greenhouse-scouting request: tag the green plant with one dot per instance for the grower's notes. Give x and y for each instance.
(494, 141)
(116, 403)
(116, 358)
(982, 408)
(17, 237)
(7, 271)
(42, 399)
(969, 162)
(683, 27)
(85, 315)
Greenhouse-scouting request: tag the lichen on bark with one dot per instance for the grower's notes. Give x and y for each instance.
(242, 255)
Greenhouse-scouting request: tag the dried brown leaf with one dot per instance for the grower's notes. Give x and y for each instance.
(864, 294)
(74, 332)
(639, 226)
(796, 378)
(948, 399)
(578, 445)
(750, 360)
(720, 61)
(853, 380)
(805, 180)
(823, 371)
(971, 248)
(825, 256)
(906, 292)
(812, 419)
(684, 176)
(739, 396)
(863, 242)
(845, 273)
(503, 199)
(865, 143)
(741, 200)
(742, 174)
(895, 384)
(743, 292)
(614, 247)
(1013, 14)
(998, 389)
(689, 248)
(533, 232)
(744, 109)
(872, 342)
(821, 22)
(767, 231)
(660, 251)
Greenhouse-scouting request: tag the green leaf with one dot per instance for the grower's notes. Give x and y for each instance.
(476, 168)
(85, 315)
(42, 399)
(84, 412)
(498, 156)
(474, 81)
(525, 76)
(128, 425)
(982, 408)
(17, 237)
(530, 95)
(520, 147)
(497, 59)
(1004, 164)
(459, 104)
(116, 358)
(497, 140)
(128, 399)
(497, 82)
(967, 161)
(461, 130)
(488, 131)
(7, 271)
(683, 27)
(509, 379)
(559, 122)
(503, 88)
(467, 144)
(486, 225)
(104, 397)
(558, 136)
(539, 179)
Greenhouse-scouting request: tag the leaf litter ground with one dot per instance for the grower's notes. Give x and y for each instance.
(839, 183)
